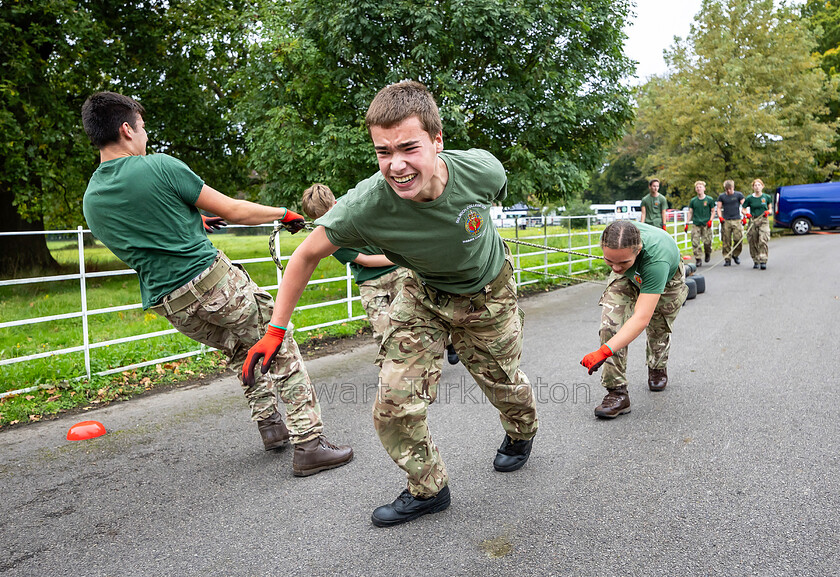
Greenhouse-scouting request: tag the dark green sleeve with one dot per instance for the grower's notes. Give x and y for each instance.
(345, 255)
(655, 278)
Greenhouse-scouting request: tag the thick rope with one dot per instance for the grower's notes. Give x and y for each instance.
(551, 248)
(272, 240)
(734, 246)
(522, 242)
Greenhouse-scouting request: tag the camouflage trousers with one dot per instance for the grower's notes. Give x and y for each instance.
(488, 340)
(701, 240)
(617, 305)
(759, 238)
(731, 233)
(377, 295)
(232, 317)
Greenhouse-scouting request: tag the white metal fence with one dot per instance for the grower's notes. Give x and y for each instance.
(569, 237)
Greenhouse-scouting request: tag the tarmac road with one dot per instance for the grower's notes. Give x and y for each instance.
(732, 470)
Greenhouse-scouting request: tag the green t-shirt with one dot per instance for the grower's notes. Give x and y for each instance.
(702, 208)
(363, 273)
(657, 262)
(653, 209)
(143, 209)
(450, 241)
(757, 204)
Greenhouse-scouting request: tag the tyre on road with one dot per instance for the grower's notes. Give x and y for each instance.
(700, 281)
(692, 288)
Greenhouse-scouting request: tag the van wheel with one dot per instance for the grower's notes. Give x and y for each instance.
(801, 225)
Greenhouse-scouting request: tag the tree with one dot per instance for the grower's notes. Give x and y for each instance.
(743, 100)
(172, 55)
(621, 177)
(536, 83)
(823, 19)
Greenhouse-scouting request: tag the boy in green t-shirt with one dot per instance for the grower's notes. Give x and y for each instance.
(654, 206)
(428, 210)
(701, 211)
(758, 235)
(185, 279)
(379, 280)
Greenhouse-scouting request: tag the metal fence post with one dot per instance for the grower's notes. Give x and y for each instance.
(349, 291)
(82, 284)
(545, 242)
(570, 245)
(517, 260)
(589, 240)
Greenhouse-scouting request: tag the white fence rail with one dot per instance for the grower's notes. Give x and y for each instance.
(86, 346)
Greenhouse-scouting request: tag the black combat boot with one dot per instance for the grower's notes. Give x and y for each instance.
(407, 507)
(512, 455)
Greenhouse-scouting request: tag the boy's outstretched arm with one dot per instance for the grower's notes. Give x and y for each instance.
(298, 272)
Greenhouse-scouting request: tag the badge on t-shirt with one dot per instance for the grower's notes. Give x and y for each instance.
(638, 278)
(473, 222)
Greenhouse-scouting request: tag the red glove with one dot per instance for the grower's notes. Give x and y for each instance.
(747, 215)
(686, 228)
(766, 213)
(293, 222)
(593, 361)
(265, 349)
(664, 227)
(709, 224)
(212, 223)
(720, 218)
(744, 220)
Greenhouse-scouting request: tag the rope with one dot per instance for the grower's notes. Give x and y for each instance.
(729, 254)
(551, 248)
(551, 274)
(522, 242)
(272, 240)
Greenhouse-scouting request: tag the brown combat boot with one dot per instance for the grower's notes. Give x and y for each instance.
(617, 402)
(657, 379)
(273, 431)
(318, 455)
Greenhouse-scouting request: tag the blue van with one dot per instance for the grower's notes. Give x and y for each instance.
(803, 206)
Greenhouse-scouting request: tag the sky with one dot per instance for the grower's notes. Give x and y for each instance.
(653, 30)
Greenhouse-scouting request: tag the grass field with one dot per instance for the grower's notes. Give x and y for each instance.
(59, 373)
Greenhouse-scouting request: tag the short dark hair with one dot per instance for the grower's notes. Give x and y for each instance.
(402, 100)
(104, 112)
(621, 234)
(652, 180)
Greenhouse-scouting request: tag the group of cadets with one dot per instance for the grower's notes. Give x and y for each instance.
(732, 209)
(434, 275)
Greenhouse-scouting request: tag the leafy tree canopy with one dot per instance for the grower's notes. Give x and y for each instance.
(536, 83)
(743, 101)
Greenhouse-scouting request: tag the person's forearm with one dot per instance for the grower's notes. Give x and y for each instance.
(245, 212)
(627, 333)
(372, 260)
(298, 272)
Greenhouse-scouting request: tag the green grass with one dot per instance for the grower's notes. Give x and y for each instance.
(58, 374)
